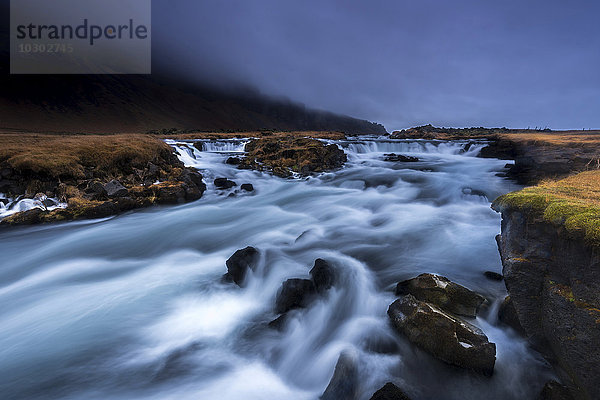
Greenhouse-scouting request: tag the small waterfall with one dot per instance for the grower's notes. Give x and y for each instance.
(417, 146)
(224, 146)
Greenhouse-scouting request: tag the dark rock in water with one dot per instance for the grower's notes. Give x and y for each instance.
(323, 275)
(294, 293)
(466, 148)
(389, 391)
(233, 161)
(399, 158)
(554, 391)
(279, 322)
(508, 315)
(224, 183)
(4, 201)
(170, 194)
(115, 189)
(199, 145)
(442, 292)
(493, 275)
(192, 177)
(49, 202)
(240, 262)
(248, 187)
(443, 335)
(344, 382)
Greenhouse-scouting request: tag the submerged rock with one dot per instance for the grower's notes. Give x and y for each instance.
(115, 189)
(224, 183)
(493, 275)
(442, 292)
(233, 161)
(294, 293)
(247, 187)
(399, 158)
(239, 264)
(344, 382)
(507, 314)
(389, 391)
(445, 336)
(323, 275)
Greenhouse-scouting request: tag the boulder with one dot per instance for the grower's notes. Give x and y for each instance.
(224, 183)
(494, 276)
(323, 275)
(389, 391)
(442, 292)
(344, 382)
(240, 262)
(507, 314)
(95, 191)
(443, 335)
(115, 189)
(399, 158)
(233, 161)
(247, 187)
(192, 177)
(294, 293)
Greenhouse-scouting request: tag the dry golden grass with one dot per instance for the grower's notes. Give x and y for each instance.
(68, 156)
(561, 138)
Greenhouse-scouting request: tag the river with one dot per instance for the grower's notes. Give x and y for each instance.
(133, 306)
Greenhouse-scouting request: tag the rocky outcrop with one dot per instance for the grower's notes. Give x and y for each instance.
(344, 384)
(284, 156)
(555, 391)
(443, 335)
(443, 293)
(322, 275)
(553, 277)
(240, 262)
(97, 176)
(389, 391)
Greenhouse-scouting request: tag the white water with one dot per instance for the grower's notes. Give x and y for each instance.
(132, 307)
(12, 206)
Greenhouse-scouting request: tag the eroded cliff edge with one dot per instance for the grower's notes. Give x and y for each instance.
(550, 250)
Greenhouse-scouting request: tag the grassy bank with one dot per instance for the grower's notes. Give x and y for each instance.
(573, 202)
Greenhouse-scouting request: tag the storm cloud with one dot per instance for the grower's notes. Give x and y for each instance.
(402, 63)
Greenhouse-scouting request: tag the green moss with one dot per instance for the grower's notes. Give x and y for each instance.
(566, 208)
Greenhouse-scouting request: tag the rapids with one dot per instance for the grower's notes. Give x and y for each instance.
(133, 307)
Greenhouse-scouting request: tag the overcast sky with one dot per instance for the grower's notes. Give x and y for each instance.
(515, 63)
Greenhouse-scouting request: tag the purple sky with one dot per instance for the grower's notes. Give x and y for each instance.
(511, 63)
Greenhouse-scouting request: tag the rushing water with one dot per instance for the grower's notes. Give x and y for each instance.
(133, 307)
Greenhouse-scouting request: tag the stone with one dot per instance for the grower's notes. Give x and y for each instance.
(399, 158)
(224, 183)
(247, 187)
(240, 262)
(233, 161)
(294, 293)
(323, 275)
(115, 189)
(507, 314)
(389, 391)
(344, 383)
(443, 335)
(442, 292)
(494, 276)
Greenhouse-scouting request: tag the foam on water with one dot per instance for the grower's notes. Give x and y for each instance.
(133, 307)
